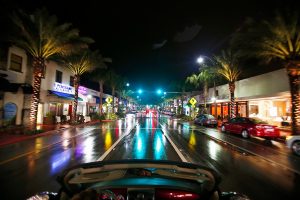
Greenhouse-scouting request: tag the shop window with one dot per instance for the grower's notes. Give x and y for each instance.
(242, 109)
(72, 81)
(15, 63)
(58, 76)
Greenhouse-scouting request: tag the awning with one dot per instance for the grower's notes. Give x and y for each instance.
(64, 95)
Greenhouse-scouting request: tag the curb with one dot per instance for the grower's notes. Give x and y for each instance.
(56, 131)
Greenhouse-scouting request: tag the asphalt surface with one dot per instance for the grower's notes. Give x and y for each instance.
(253, 167)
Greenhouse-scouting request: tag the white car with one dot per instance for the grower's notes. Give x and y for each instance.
(293, 143)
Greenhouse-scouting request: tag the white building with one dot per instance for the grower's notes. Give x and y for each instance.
(16, 93)
(57, 94)
(265, 96)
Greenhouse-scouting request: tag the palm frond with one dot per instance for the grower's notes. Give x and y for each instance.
(228, 66)
(40, 34)
(276, 38)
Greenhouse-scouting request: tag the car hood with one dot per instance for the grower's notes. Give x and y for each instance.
(128, 170)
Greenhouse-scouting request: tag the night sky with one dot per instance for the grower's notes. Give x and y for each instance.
(150, 43)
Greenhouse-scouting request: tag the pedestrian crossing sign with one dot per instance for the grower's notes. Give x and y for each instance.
(108, 100)
(193, 101)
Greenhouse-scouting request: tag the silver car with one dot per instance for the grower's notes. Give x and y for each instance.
(293, 143)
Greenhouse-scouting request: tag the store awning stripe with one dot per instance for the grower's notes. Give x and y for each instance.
(64, 95)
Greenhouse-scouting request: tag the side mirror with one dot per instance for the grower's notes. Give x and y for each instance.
(233, 196)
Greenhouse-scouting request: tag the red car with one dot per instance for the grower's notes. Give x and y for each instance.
(250, 127)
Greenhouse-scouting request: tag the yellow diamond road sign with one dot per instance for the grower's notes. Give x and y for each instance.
(193, 101)
(108, 99)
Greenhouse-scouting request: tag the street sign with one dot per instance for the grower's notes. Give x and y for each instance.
(193, 101)
(108, 100)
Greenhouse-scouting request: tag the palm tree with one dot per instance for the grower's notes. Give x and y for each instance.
(42, 37)
(100, 75)
(205, 75)
(179, 88)
(79, 64)
(228, 68)
(112, 79)
(277, 40)
(194, 79)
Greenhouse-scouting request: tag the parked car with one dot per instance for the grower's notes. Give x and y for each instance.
(250, 127)
(206, 120)
(293, 142)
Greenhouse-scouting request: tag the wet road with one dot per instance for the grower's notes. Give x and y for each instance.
(31, 166)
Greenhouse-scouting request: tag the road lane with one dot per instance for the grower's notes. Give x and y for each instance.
(37, 171)
(241, 172)
(146, 141)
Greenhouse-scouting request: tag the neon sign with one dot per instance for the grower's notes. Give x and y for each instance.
(63, 88)
(82, 90)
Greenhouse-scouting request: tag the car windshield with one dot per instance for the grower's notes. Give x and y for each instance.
(257, 121)
(210, 117)
(202, 96)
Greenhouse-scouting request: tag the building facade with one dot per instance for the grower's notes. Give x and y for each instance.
(15, 86)
(57, 95)
(265, 96)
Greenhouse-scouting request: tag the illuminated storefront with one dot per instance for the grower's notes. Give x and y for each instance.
(265, 96)
(276, 110)
(223, 109)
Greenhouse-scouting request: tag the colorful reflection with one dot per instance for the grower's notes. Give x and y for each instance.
(59, 161)
(185, 129)
(140, 145)
(88, 149)
(108, 140)
(38, 144)
(192, 140)
(214, 149)
(117, 128)
(158, 146)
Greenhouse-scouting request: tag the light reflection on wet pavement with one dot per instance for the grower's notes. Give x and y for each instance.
(31, 166)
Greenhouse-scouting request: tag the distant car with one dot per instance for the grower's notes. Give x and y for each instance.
(206, 120)
(250, 127)
(293, 142)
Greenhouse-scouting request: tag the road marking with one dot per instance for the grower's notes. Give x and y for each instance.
(115, 144)
(183, 159)
(41, 149)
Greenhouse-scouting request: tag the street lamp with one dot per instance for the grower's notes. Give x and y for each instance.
(201, 60)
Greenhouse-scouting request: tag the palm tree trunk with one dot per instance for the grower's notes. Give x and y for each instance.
(38, 72)
(295, 98)
(205, 96)
(232, 102)
(113, 101)
(75, 103)
(101, 96)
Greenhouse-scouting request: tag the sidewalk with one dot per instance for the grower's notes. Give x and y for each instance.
(16, 134)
